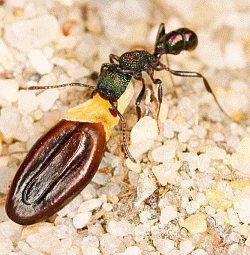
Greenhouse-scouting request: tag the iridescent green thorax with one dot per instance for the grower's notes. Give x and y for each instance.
(177, 41)
(112, 82)
(138, 60)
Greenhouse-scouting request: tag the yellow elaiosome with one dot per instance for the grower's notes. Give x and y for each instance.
(96, 110)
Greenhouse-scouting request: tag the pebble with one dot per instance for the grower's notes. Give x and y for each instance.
(132, 250)
(121, 228)
(144, 216)
(81, 219)
(164, 153)
(31, 34)
(233, 217)
(40, 62)
(63, 231)
(191, 158)
(110, 244)
(47, 99)
(72, 206)
(241, 204)
(6, 57)
(169, 128)
(6, 246)
(216, 199)
(196, 223)
(11, 230)
(215, 153)
(27, 101)
(9, 120)
(24, 247)
(203, 162)
(199, 252)
(164, 246)
(88, 192)
(192, 207)
(186, 247)
(90, 242)
(239, 184)
(167, 214)
(89, 205)
(8, 91)
(142, 136)
(241, 159)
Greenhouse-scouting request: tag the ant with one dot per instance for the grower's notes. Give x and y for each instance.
(135, 62)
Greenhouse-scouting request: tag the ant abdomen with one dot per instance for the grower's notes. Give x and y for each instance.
(176, 41)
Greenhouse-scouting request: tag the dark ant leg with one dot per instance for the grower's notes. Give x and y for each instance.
(123, 131)
(113, 57)
(198, 75)
(61, 85)
(139, 98)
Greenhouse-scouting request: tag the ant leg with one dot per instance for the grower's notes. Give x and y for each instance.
(113, 58)
(123, 131)
(139, 98)
(61, 85)
(171, 77)
(158, 82)
(207, 86)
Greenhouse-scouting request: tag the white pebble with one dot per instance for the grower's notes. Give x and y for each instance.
(31, 34)
(8, 90)
(144, 216)
(9, 121)
(6, 246)
(107, 207)
(167, 214)
(71, 206)
(191, 158)
(164, 153)
(24, 247)
(143, 135)
(63, 231)
(11, 230)
(6, 58)
(199, 252)
(121, 228)
(169, 128)
(89, 205)
(218, 137)
(233, 217)
(192, 207)
(40, 62)
(186, 247)
(242, 205)
(186, 184)
(235, 55)
(164, 246)
(164, 175)
(47, 99)
(27, 101)
(89, 242)
(203, 162)
(215, 152)
(132, 250)
(81, 219)
(89, 192)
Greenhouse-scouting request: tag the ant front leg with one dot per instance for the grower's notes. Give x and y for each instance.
(114, 107)
(207, 86)
(113, 58)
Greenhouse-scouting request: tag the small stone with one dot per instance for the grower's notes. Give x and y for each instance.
(81, 219)
(63, 231)
(203, 162)
(73, 205)
(164, 246)
(89, 242)
(164, 153)
(192, 207)
(24, 247)
(89, 192)
(218, 137)
(6, 57)
(167, 214)
(6, 246)
(241, 159)
(8, 91)
(110, 244)
(47, 99)
(169, 128)
(239, 184)
(186, 247)
(40, 62)
(215, 152)
(32, 33)
(191, 158)
(196, 223)
(107, 207)
(142, 136)
(89, 205)
(114, 199)
(100, 178)
(186, 184)
(233, 217)
(216, 199)
(144, 216)
(27, 101)
(199, 252)
(132, 250)
(11, 230)
(121, 228)
(242, 205)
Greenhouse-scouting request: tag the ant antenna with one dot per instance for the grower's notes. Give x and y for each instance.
(61, 85)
